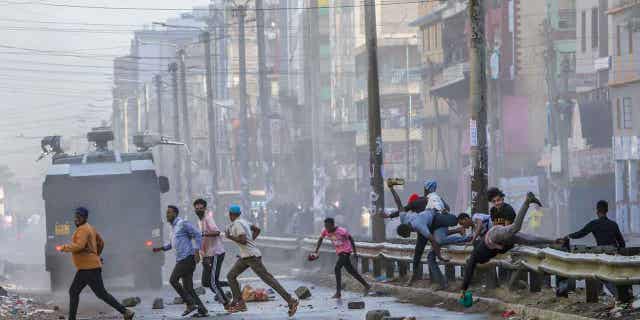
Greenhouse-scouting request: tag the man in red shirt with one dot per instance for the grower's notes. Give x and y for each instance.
(345, 246)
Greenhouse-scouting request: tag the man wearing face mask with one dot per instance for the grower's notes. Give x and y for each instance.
(212, 251)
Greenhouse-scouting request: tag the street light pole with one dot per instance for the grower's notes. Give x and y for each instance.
(173, 70)
(186, 124)
(243, 156)
(211, 117)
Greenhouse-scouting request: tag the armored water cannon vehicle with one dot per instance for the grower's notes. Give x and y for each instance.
(122, 193)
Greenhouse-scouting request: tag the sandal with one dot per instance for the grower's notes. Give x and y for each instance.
(293, 307)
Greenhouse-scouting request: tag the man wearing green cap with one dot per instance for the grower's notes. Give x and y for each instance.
(244, 235)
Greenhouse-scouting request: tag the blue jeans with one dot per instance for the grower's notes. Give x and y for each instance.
(443, 239)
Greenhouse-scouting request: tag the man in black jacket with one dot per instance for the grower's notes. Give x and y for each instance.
(606, 232)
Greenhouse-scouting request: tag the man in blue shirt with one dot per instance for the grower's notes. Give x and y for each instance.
(434, 227)
(187, 257)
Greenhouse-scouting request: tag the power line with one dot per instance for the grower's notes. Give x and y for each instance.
(79, 6)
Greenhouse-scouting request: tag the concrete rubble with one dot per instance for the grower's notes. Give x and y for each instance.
(377, 314)
(303, 293)
(158, 303)
(131, 302)
(356, 305)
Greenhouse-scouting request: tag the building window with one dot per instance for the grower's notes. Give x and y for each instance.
(618, 51)
(583, 28)
(594, 27)
(627, 121)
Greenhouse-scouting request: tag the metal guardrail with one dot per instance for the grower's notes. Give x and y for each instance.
(599, 266)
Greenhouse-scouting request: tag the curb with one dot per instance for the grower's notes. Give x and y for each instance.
(522, 310)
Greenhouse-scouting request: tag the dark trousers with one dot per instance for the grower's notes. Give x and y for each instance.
(345, 261)
(93, 279)
(211, 267)
(440, 220)
(183, 271)
(421, 244)
(480, 254)
(256, 265)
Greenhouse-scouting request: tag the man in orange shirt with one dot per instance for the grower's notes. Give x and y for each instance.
(85, 247)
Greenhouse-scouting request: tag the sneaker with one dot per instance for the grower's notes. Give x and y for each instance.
(201, 314)
(128, 315)
(189, 310)
(293, 307)
(238, 307)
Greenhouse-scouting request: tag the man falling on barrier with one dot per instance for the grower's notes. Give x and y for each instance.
(244, 235)
(212, 251)
(85, 247)
(500, 239)
(440, 218)
(345, 246)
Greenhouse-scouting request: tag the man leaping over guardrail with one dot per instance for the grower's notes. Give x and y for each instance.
(500, 239)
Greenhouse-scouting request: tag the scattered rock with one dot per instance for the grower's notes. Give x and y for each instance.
(131, 302)
(158, 303)
(200, 291)
(56, 308)
(376, 314)
(303, 293)
(356, 305)
(3, 292)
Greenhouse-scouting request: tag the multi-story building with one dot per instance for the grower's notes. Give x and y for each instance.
(624, 92)
(399, 79)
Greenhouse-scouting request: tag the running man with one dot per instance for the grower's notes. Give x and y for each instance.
(85, 248)
(500, 239)
(345, 246)
(244, 235)
(212, 251)
(187, 257)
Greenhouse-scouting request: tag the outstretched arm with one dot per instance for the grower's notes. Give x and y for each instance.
(396, 198)
(319, 244)
(582, 232)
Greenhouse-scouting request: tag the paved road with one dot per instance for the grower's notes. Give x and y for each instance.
(320, 306)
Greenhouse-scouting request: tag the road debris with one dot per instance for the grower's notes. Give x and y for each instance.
(131, 302)
(158, 303)
(356, 305)
(303, 293)
(377, 314)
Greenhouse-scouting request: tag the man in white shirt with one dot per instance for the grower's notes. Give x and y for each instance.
(244, 235)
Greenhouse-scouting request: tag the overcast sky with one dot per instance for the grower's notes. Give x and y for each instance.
(56, 69)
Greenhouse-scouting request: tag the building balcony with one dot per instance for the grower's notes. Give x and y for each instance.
(390, 136)
(624, 70)
(452, 82)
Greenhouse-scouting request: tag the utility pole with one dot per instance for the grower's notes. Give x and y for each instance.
(478, 102)
(374, 125)
(157, 79)
(173, 69)
(243, 152)
(125, 127)
(265, 106)
(138, 113)
(146, 107)
(211, 118)
(186, 124)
